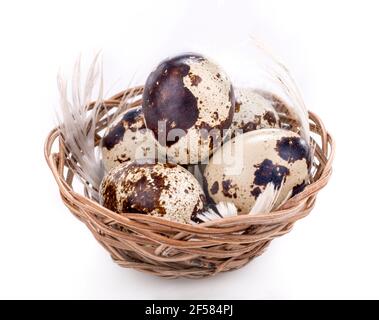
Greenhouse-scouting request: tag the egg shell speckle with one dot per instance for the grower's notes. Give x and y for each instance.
(253, 111)
(288, 117)
(127, 139)
(191, 94)
(164, 190)
(268, 155)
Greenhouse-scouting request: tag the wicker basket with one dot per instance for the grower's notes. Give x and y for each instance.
(171, 250)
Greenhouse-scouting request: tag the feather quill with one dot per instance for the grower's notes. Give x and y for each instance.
(282, 76)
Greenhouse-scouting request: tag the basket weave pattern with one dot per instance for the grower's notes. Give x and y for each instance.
(169, 249)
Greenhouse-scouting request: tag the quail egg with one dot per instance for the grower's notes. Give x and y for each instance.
(127, 139)
(252, 112)
(289, 118)
(240, 171)
(163, 190)
(188, 103)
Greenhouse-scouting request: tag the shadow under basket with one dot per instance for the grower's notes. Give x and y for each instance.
(160, 247)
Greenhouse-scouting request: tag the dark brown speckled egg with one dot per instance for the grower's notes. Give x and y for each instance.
(189, 96)
(240, 171)
(127, 138)
(164, 190)
(289, 119)
(253, 112)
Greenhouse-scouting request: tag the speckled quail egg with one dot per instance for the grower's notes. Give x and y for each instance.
(127, 139)
(289, 119)
(188, 102)
(252, 112)
(163, 190)
(240, 171)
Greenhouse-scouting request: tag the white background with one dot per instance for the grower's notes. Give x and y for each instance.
(332, 49)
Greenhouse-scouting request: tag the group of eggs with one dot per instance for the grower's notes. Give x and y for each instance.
(190, 114)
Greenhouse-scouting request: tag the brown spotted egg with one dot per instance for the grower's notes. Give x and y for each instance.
(188, 102)
(163, 190)
(252, 112)
(240, 171)
(127, 139)
(289, 119)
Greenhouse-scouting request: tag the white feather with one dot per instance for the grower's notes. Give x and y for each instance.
(265, 200)
(77, 124)
(282, 76)
(223, 210)
(268, 199)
